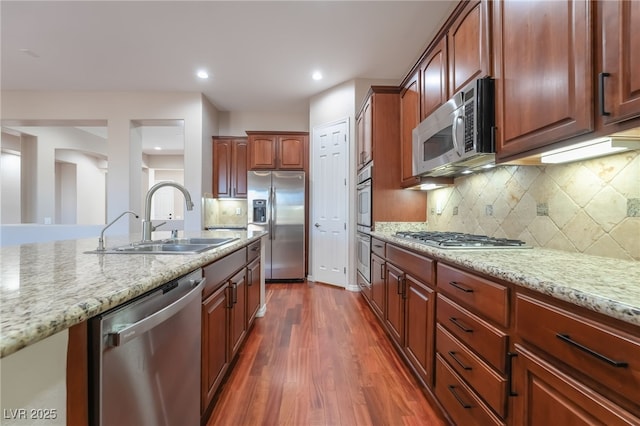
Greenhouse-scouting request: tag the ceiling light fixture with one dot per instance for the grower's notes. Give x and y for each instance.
(590, 149)
(203, 74)
(157, 148)
(317, 75)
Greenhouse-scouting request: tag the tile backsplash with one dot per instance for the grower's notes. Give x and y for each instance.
(220, 212)
(592, 206)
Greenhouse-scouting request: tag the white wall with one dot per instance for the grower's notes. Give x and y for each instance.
(125, 158)
(237, 123)
(9, 188)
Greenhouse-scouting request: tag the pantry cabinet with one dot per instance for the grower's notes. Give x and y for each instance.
(543, 71)
(278, 150)
(229, 167)
(619, 61)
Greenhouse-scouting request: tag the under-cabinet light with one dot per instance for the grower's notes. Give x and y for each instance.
(589, 149)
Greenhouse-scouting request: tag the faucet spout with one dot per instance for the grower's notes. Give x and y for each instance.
(101, 239)
(147, 227)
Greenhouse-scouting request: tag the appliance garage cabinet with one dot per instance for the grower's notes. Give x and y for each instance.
(278, 150)
(230, 301)
(489, 352)
(229, 167)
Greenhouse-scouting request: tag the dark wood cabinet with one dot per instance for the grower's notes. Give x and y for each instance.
(364, 142)
(215, 359)
(237, 305)
(253, 283)
(468, 45)
(394, 312)
(379, 122)
(619, 61)
(434, 86)
(543, 71)
(547, 395)
(409, 119)
(278, 150)
(378, 277)
(229, 167)
(419, 339)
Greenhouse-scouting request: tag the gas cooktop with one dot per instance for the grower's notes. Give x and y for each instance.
(458, 240)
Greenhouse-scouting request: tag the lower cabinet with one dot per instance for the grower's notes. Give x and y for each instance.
(231, 300)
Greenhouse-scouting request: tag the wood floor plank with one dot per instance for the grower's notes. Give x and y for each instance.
(319, 357)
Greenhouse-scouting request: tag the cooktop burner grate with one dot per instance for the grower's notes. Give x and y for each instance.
(451, 240)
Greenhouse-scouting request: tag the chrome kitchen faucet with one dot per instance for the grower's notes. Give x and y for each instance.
(147, 226)
(101, 239)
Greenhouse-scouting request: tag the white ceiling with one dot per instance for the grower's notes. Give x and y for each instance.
(260, 54)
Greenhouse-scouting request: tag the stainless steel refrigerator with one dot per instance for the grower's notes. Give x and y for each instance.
(275, 203)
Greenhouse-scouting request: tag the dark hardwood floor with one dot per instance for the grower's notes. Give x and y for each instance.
(319, 357)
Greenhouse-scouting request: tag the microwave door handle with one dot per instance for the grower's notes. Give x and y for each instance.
(454, 136)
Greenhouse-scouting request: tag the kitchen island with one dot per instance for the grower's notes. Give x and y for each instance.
(49, 288)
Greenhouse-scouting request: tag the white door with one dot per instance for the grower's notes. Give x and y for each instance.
(330, 204)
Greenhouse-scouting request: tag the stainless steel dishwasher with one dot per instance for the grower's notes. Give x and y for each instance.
(145, 358)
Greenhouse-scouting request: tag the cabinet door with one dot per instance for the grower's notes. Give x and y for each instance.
(366, 148)
(548, 396)
(237, 303)
(239, 169)
(262, 152)
(409, 119)
(222, 165)
(253, 291)
(543, 73)
(360, 139)
(420, 329)
(468, 46)
(215, 360)
(290, 152)
(394, 314)
(620, 60)
(433, 79)
(377, 284)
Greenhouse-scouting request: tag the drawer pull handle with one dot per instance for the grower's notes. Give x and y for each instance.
(461, 287)
(510, 357)
(618, 364)
(460, 325)
(452, 389)
(452, 354)
(377, 245)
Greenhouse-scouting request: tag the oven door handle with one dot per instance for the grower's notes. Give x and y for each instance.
(132, 331)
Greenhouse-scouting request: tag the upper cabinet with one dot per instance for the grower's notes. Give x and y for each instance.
(433, 79)
(409, 119)
(468, 45)
(543, 71)
(278, 150)
(229, 167)
(364, 142)
(619, 61)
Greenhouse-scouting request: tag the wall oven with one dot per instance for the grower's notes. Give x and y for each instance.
(364, 192)
(364, 222)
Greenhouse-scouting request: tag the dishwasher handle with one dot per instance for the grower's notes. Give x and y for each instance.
(132, 331)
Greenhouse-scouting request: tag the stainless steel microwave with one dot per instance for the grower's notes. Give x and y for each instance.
(459, 135)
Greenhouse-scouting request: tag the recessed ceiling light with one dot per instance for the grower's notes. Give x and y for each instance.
(317, 75)
(203, 74)
(157, 148)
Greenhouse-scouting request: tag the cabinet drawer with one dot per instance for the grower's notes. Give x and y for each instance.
(462, 404)
(491, 386)
(608, 356)
(482, 296)
(489, 342)
(253, 251)
(378, 247)
(219, 271)
(413, 264)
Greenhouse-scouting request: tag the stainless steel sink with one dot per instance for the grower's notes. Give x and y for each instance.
(171, 246)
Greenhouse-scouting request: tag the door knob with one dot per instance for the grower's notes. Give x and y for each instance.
(317, 225)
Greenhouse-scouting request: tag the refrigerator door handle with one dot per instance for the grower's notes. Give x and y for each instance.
(273, 212)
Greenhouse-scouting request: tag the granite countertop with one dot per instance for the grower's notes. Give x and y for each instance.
(605, 285)
(48, 287)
